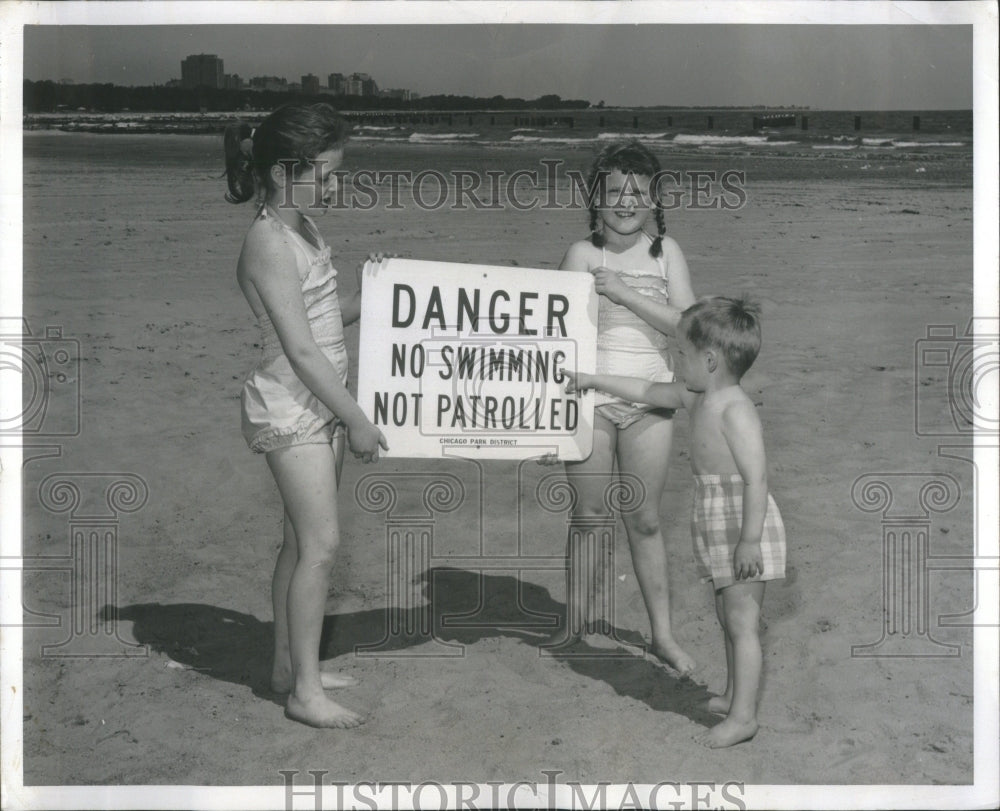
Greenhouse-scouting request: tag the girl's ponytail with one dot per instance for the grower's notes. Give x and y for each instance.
(238, 143)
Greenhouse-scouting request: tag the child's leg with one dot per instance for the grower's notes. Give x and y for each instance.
(281, 673)
(741, 604)
(644, 452)
(307, 479)
(588, 480)
(721, 703)
(288, 555)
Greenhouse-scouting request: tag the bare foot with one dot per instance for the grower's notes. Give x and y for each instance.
(727, 733)
(281, 682)
(672, 654)
(718, 704)
(321, 712)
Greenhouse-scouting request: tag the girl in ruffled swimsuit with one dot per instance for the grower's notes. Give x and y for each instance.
(644, 286)
(295, 404)
(625, 343)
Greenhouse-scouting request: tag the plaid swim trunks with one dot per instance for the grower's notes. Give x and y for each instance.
(716, 517)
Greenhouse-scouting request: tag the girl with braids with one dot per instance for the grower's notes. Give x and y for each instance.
(295, 403)
(644, 287)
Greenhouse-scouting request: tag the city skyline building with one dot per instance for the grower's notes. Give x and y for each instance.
(202, 70)
(399, 93)
(273, 83)
(207, 70)
(310, 85)
(361, 84)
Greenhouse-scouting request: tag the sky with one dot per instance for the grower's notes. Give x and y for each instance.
(875, 67)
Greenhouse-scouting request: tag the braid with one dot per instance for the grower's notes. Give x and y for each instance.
(596, 237)
(595, 179)
(656, 249)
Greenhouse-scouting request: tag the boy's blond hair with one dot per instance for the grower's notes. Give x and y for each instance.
(732, 326)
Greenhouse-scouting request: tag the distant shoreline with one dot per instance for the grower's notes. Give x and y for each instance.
(645, 122)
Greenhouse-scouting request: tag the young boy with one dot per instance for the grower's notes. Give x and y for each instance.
(738, 536)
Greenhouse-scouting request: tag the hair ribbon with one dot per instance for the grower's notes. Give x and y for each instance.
(246, 145)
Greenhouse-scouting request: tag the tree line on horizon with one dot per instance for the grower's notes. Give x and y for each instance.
(47, 96)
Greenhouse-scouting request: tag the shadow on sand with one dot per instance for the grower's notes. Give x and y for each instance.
(462, 607)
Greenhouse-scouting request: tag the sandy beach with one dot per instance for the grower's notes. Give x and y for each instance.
(130, 249)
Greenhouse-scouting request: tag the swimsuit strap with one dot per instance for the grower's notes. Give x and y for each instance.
(659, 259)
(310, 226)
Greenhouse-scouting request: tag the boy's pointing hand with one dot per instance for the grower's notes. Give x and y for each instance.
(575, 381)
